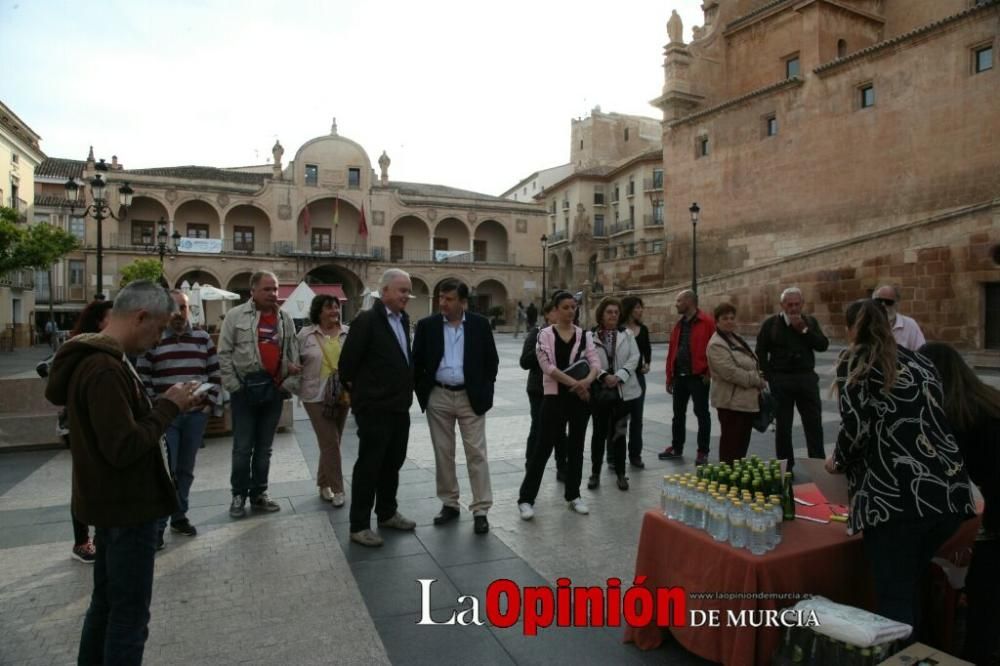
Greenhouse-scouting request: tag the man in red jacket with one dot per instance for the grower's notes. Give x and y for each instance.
(687, 375)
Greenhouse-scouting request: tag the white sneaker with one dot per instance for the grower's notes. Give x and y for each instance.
(579, 506)
(338, 499)
(527, 511)
(326, 494)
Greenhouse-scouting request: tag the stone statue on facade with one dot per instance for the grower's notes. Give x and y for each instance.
(277, 152)
(581, 223)
(333, 126)
(383, 164)
(675, 29)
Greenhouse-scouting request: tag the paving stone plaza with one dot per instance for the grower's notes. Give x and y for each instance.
(289, 588)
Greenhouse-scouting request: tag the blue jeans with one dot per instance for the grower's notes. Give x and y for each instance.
(184, 436)
(117, 622)
(253, 435)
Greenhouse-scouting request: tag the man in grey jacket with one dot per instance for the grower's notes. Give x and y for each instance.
(259, 358)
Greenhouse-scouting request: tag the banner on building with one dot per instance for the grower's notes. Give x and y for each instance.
(204, 245)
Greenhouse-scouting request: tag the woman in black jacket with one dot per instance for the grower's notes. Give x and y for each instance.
(529, 362)
(973, 410)
(632, 308)
(906, 478)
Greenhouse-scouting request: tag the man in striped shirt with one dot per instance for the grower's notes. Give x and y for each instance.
(183, 354)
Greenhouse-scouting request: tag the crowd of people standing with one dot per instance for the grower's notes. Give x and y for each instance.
(905, 504)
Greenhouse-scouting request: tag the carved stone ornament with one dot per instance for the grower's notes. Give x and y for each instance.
(473, 217)
(432, 214)
(170, 195)
(284, 212)
(378, 218)
(522, 226)
(222, 200)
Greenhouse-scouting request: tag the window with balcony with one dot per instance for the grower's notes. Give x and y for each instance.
(614, 197)
(626, 134)
(14, 158)
(78, 228)
(354, 178)
(312, 174)
(599, 225)
(395, 248)
(197, 231)
(143, 232)
(658, 211)
(322, 240)
(631, 213)
(631, 186)
(441, 244)
(243, 239)
(599, 197)
(479, 250)
(657, 179)
(15, 200)
(75, 273)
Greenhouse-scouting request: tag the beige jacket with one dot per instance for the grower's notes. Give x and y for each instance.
(736, 379)
(312, 387)
(238, 351)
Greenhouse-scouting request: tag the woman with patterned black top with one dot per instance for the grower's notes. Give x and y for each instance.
(906, 478)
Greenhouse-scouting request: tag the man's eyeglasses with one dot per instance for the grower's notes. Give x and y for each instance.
(887, 302)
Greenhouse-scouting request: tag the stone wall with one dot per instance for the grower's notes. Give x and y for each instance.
(940, 265)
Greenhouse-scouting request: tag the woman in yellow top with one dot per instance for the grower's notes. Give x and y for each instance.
(319, 347)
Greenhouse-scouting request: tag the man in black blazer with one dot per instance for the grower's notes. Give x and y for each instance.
(455, 366)
(377, 367)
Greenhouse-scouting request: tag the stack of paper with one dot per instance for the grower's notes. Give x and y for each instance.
(853, 625)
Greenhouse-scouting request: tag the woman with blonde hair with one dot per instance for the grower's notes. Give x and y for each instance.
(907, 482)
(324, 398)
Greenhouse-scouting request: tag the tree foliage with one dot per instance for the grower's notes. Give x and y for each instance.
(35, 246)
(141, 269)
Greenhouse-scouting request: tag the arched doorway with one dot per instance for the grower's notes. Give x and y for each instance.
(492, 294)
(452, 235)
(567, 280)
(420, 300)
(410, 240)
(140, 230)
(240, 283)
(197, 219)
(348, 281)
(490, 244)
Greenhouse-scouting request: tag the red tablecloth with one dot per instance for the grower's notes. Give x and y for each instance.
(811, 559)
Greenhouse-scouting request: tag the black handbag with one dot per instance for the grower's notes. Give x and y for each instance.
(767, 406)
(602, 396)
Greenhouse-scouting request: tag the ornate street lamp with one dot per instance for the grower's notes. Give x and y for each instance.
(99, 210)
(162, 248)
(695, 210)
(545, 251)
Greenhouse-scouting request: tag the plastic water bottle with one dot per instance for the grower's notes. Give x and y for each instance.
(684, 498)
(776, 511)
(769, 530)
(737, 525)
(705, 498)
(721, 519)
(758, 537)
(712, 522)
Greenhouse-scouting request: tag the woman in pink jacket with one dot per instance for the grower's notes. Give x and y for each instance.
(565, 402)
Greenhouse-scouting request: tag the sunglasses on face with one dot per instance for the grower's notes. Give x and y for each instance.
(887, 302)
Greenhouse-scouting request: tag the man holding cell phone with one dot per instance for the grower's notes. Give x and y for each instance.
(186, 355)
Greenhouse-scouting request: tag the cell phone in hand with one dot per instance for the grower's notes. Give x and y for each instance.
(204, 388)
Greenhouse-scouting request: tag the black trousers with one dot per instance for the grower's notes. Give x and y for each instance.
(799, 391)
(694, 388)
(535, 434)
(558, 412)
(382, 440)
(982, 588)
(610, 429)
(899, 552)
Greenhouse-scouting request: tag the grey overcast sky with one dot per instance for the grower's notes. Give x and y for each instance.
(470, 94)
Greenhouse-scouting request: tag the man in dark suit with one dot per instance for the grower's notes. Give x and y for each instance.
(455, 366)
(377, 367)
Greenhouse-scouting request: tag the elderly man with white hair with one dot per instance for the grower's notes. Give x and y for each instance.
(905, 330)
(786, 350)
(377, 367)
